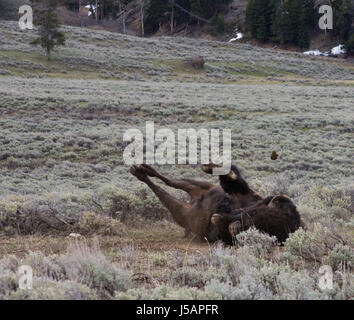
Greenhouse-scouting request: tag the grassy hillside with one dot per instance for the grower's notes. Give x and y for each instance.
(62, 171)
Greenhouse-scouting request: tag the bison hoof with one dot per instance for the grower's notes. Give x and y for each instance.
(150, 171)
(137, 172)
(208, 168)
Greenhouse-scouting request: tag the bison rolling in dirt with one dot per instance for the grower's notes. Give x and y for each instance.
(221, 212)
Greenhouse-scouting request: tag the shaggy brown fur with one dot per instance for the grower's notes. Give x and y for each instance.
(276, 216)
(238, 206)
(206, 198)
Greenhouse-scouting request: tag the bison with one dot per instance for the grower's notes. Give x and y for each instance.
(220, 212)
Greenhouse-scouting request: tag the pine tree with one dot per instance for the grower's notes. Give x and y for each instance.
(155, 15)
(275, 10)
(344, 18)
(47, 22)
(196, 7)
(303, 40)
(307, 21)
(309, 14)
(259, 18)
(349, 45)
(219, 23)
(251, 17)
(295, 20)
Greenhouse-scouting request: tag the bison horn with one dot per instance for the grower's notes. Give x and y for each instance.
(208, 168)
(277, 199)
(215, 218)
(232, 175)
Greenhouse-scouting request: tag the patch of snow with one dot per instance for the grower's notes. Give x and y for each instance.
(337, 50)
(75, 235)
(239, 36)
(315, 52)
(89, 7)
(334, 51)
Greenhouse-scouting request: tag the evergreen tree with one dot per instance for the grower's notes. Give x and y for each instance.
(303, 40)
(349, 45)
(47, 21)
(156, 14)
(251, 17)
(344, 19)
(309, 14)
(308, 20)
(259, 18)
(296, 17)
(196, 7)
(275, 19)
(219, 23)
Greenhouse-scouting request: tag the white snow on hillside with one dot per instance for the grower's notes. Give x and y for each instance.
(239, 36)
(338, 50)
(315, 52)
(334, 51)
(89, 7)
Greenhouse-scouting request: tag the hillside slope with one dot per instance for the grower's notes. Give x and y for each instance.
(99, 76)
(234, 15)
(115, 56)
(62, 169)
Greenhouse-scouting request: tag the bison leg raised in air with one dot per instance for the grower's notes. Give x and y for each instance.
(194, 216)
(177, 208)
(194, 188)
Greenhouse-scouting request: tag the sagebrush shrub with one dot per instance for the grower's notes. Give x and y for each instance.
(43, 266)
(340, 256)
(159, 260)
(164, 292)
(45, 289)
(8, 283)
(89, 266)
(93, 223)
(259, 242)
(195, 277)
(309, 245)
(270, 281)
(327, 204)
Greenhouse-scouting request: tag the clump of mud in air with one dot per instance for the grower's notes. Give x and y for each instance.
(274, 155)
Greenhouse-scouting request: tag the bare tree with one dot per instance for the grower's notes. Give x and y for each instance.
(123, 19)
(142, 12)
(199, 18)
(119, 5)
(172, 2)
